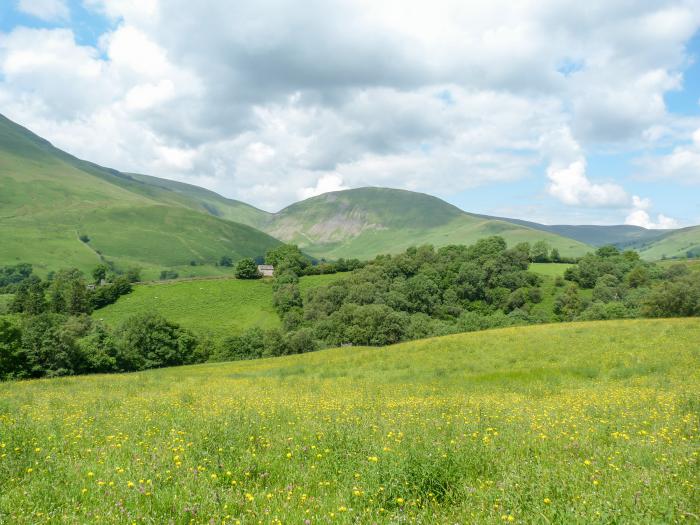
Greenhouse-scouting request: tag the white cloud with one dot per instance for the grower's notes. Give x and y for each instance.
(681, 165)
(570, 185)
(275, 98)
(568, 181)
(643, 219)
(47, 10)
(639, 216)
(325, 184)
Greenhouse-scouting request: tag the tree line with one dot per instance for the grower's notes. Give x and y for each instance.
(422, 292)
(425, 292)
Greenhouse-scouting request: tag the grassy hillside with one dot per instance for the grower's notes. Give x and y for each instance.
(674, 244)
(203, 200)
(49, 198)
(369, 221)
(214, 307)
(575, 423)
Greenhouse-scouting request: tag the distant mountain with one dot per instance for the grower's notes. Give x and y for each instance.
(49, 199)
(368, 221)
(622, 236)
(651, 244)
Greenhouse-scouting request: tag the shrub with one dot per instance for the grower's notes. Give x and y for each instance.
(247, 269)
(168, 274)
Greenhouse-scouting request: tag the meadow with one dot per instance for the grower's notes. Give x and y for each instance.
(567, 423)
(208, 307)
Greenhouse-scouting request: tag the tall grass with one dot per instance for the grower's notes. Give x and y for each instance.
(579, 423)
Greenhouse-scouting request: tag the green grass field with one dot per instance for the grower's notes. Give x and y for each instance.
(213, 307)
(550, 269)
(573, 423)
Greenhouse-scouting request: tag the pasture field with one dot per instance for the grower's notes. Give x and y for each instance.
(214, 307)
(550, 269)
(569, 423)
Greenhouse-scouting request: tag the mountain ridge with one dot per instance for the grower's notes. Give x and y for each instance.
(51, 198)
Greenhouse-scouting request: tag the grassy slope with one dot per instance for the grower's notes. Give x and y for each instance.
(215, 307)
(571, 423)
(675, 244)
(368, 221)
(550, 269)
(204, 200)
(49, 197)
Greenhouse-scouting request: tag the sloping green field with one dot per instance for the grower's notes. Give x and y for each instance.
(49, 199)
(571, 423)
(215, 307)
(676, 244)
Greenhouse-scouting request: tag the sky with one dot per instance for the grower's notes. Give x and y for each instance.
(562, 112)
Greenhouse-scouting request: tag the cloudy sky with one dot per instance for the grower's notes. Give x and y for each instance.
(556, 111)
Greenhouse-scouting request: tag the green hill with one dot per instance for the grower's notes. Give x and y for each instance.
(49, 199)
(568, 423)
(208, 307)
(679, 243)
(365, 222)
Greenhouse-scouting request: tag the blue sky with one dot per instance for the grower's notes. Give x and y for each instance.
(554, 112)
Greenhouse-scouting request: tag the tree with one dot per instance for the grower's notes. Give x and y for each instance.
(68, 293)
(105, 295)
(638, 276)
(607, 251)
(100, 273)
(287, 257)
(50, 343)
(275, 343)
(540, 252)
(555, 256)
(133, 275)
(674, 298)
(98, 350)
(569, 304)
(30, 297)
(226, 261)
(150, 341)
(248, 345)
(287, 297)
(247, 269)
(13, 360)
(11, 276)
(301, 341)
(607, 289)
